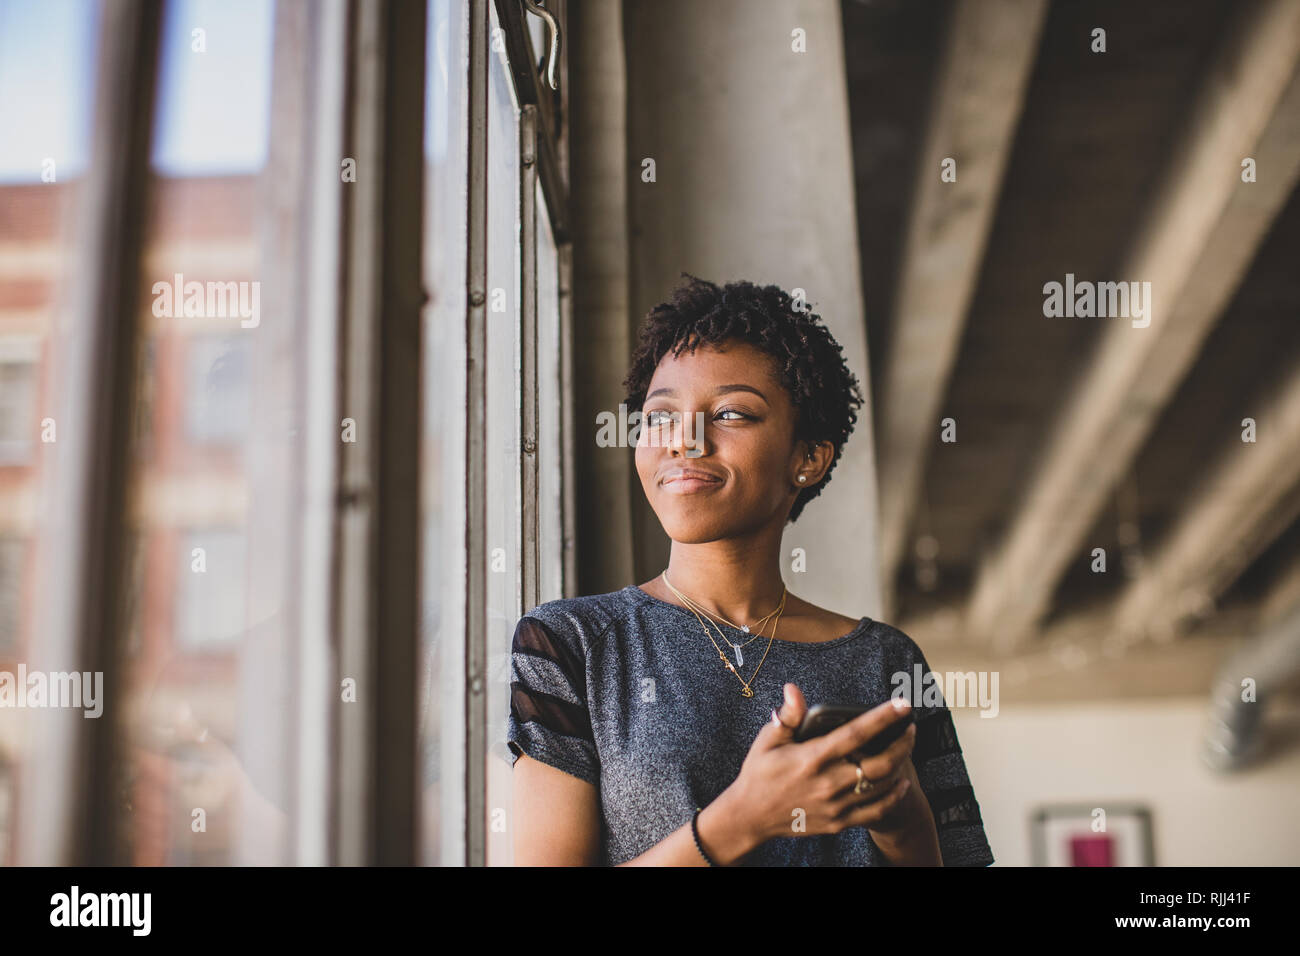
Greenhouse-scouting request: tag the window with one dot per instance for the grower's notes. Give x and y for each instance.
(133, 588)
(550, 505)
(210, 479)
(146, 374)
(18, 424)
(441, 692)
(504, 494)
(240, 557)
(210, 593)
(216, 384)
(47, 63)
(12, 553)
(6, 812)
(17, 402)
(522, 560)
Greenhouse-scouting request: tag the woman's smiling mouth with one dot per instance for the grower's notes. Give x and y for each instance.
(686, 481)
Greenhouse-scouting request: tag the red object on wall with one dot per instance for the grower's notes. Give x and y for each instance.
(1094, 849)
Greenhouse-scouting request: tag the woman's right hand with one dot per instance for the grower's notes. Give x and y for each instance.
(800, 789)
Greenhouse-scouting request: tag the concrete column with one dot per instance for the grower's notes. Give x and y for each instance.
(601, 344)
(754, 180)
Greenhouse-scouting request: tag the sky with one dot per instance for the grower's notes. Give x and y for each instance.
(214, 106)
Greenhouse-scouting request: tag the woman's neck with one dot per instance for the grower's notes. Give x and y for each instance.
(738, 582)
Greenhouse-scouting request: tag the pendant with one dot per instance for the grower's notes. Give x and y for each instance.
(740, 655)
(746, 692)
(745, 628)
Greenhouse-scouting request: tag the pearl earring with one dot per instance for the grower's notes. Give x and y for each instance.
(803, 478)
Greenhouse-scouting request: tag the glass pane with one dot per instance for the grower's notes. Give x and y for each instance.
(47, 62)
(442, 702)
(209, 702)
(536, 37)
(217, 412)
(550, 408)
(503, 486)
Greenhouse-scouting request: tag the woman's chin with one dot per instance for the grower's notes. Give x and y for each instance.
(695, 532)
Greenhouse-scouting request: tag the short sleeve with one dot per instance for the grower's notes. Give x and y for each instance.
(549, 720)
(942, 773)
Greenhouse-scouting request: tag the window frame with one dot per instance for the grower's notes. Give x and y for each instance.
(358, 537)
(542, 137)
(67, 797)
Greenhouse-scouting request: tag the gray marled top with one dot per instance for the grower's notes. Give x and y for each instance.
(624, 690)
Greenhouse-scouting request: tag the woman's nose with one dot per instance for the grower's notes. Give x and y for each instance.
(688, 439)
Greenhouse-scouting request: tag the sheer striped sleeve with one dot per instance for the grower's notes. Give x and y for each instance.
(941, 770)
(549, 720)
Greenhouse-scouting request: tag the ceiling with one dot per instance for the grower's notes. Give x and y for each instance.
(1094, 171)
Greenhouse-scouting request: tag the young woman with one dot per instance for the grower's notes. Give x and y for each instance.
(655, 724)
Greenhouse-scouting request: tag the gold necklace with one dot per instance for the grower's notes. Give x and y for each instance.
(746, 688)
(738, 648)
(739, 627)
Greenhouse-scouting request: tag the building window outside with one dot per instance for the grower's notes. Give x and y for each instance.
(18, 382)
(12, 554)
(210, 592)
(217, 393)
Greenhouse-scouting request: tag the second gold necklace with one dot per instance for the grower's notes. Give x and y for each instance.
(746, 685)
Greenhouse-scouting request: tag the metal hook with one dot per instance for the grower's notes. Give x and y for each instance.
(553, 54)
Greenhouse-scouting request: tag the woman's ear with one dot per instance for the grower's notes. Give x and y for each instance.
(816, 460)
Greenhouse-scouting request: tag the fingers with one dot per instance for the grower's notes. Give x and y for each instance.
(186, 725)
(888, 760)
(842, 741)
(876, 809)
(785, 719)
(795, 707)
(880, 784)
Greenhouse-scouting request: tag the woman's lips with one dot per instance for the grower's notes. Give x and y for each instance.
(690, 484)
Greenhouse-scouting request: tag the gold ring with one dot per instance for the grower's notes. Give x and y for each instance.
(862, 778)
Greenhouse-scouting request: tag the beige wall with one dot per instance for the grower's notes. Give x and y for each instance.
(1134, 751)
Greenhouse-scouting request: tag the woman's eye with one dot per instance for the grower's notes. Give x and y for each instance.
(657, 417)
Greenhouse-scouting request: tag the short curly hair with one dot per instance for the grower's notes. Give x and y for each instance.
(825, 393)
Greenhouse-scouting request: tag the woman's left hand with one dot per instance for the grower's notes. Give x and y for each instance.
(905, 833)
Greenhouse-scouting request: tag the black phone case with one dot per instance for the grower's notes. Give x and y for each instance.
(824, 718)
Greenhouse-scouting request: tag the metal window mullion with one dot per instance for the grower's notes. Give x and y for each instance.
(271, 524)
(557, 197)
(357, 475)
(527, 82)
(546, 132)
(529, 90)
(530, 513)
(561, 131)
(564, 256)
(322, 86)
(555, 172)
(68, 798)
(379, 517)
(398, 635)
(476, 715)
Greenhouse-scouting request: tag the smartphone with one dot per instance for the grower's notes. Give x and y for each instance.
(823, 718)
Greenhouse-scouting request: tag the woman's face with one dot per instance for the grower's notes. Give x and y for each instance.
(745, 454)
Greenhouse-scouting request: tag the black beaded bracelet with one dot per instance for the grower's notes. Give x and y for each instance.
(695, 831)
